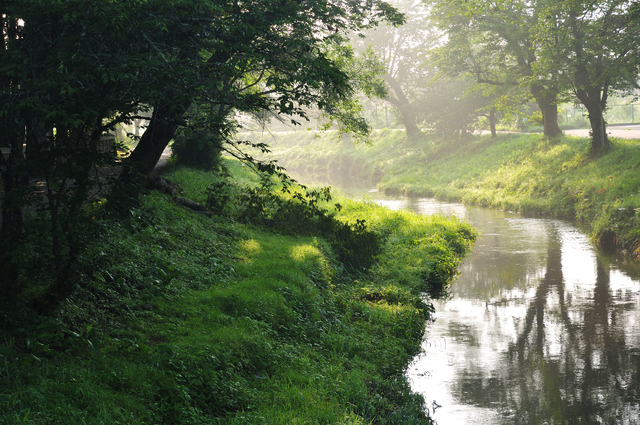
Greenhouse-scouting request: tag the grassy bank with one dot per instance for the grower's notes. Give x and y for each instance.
(184, 319)
(524, 173)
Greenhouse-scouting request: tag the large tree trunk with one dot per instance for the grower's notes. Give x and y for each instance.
(163, 124)
(404, 108)
(550, 119)
(162, 127)
(599, 139)
(547, 101)
(164, 121)
(594, 99)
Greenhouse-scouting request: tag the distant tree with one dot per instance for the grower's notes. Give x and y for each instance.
(494, 41)
(451, 106)
(401, 51)
(471, 61)
(593, 47)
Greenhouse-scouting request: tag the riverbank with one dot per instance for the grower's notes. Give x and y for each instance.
(516, 172)
(294, 316)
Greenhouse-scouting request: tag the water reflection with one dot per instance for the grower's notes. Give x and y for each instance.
(540, 329)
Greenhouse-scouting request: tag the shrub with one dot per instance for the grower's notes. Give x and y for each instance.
(201, 151)
(297, 213)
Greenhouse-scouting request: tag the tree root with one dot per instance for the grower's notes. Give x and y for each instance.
(172, 189)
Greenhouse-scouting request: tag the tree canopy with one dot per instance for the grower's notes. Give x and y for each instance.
(553, 48)
(497, 56)
(401, 53)
(71, 71)
(592, 47)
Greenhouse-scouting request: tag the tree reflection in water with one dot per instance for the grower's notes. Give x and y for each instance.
(558, 339)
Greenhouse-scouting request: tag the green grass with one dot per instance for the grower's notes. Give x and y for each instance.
(515, 172)
(183, 319)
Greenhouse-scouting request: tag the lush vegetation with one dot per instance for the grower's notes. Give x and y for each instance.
(186, 319)
(269, 304)
(76, 74)
(524, 173)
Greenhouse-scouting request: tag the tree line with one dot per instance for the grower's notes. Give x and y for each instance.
(458, 59)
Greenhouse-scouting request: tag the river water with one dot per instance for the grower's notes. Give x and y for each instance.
(541, 328)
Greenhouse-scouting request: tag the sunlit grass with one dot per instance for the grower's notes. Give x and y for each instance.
(520, 173)
(251, 247)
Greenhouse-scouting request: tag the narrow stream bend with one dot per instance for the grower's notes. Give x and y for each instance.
(541, 328)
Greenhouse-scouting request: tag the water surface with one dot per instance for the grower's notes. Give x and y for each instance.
(541, 328)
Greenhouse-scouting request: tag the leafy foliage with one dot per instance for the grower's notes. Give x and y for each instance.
(201, 151)
(297, 212)
(186, 64)
(554, 49)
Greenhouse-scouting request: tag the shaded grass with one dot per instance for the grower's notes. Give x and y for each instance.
(183, 319)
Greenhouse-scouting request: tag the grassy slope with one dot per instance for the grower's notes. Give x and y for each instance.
(197, 320)
(524, 173)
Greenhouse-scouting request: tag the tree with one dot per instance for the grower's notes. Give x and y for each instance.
(595, 51)
(452, 106)
(494, 41)
(64, 83)
(71, 71)
(262, 56)
(401, 50)
(490, 85)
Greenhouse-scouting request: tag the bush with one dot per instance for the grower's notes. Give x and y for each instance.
(299, 213)
(201, 151)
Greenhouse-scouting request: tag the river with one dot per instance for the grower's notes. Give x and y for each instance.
(540, 328)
